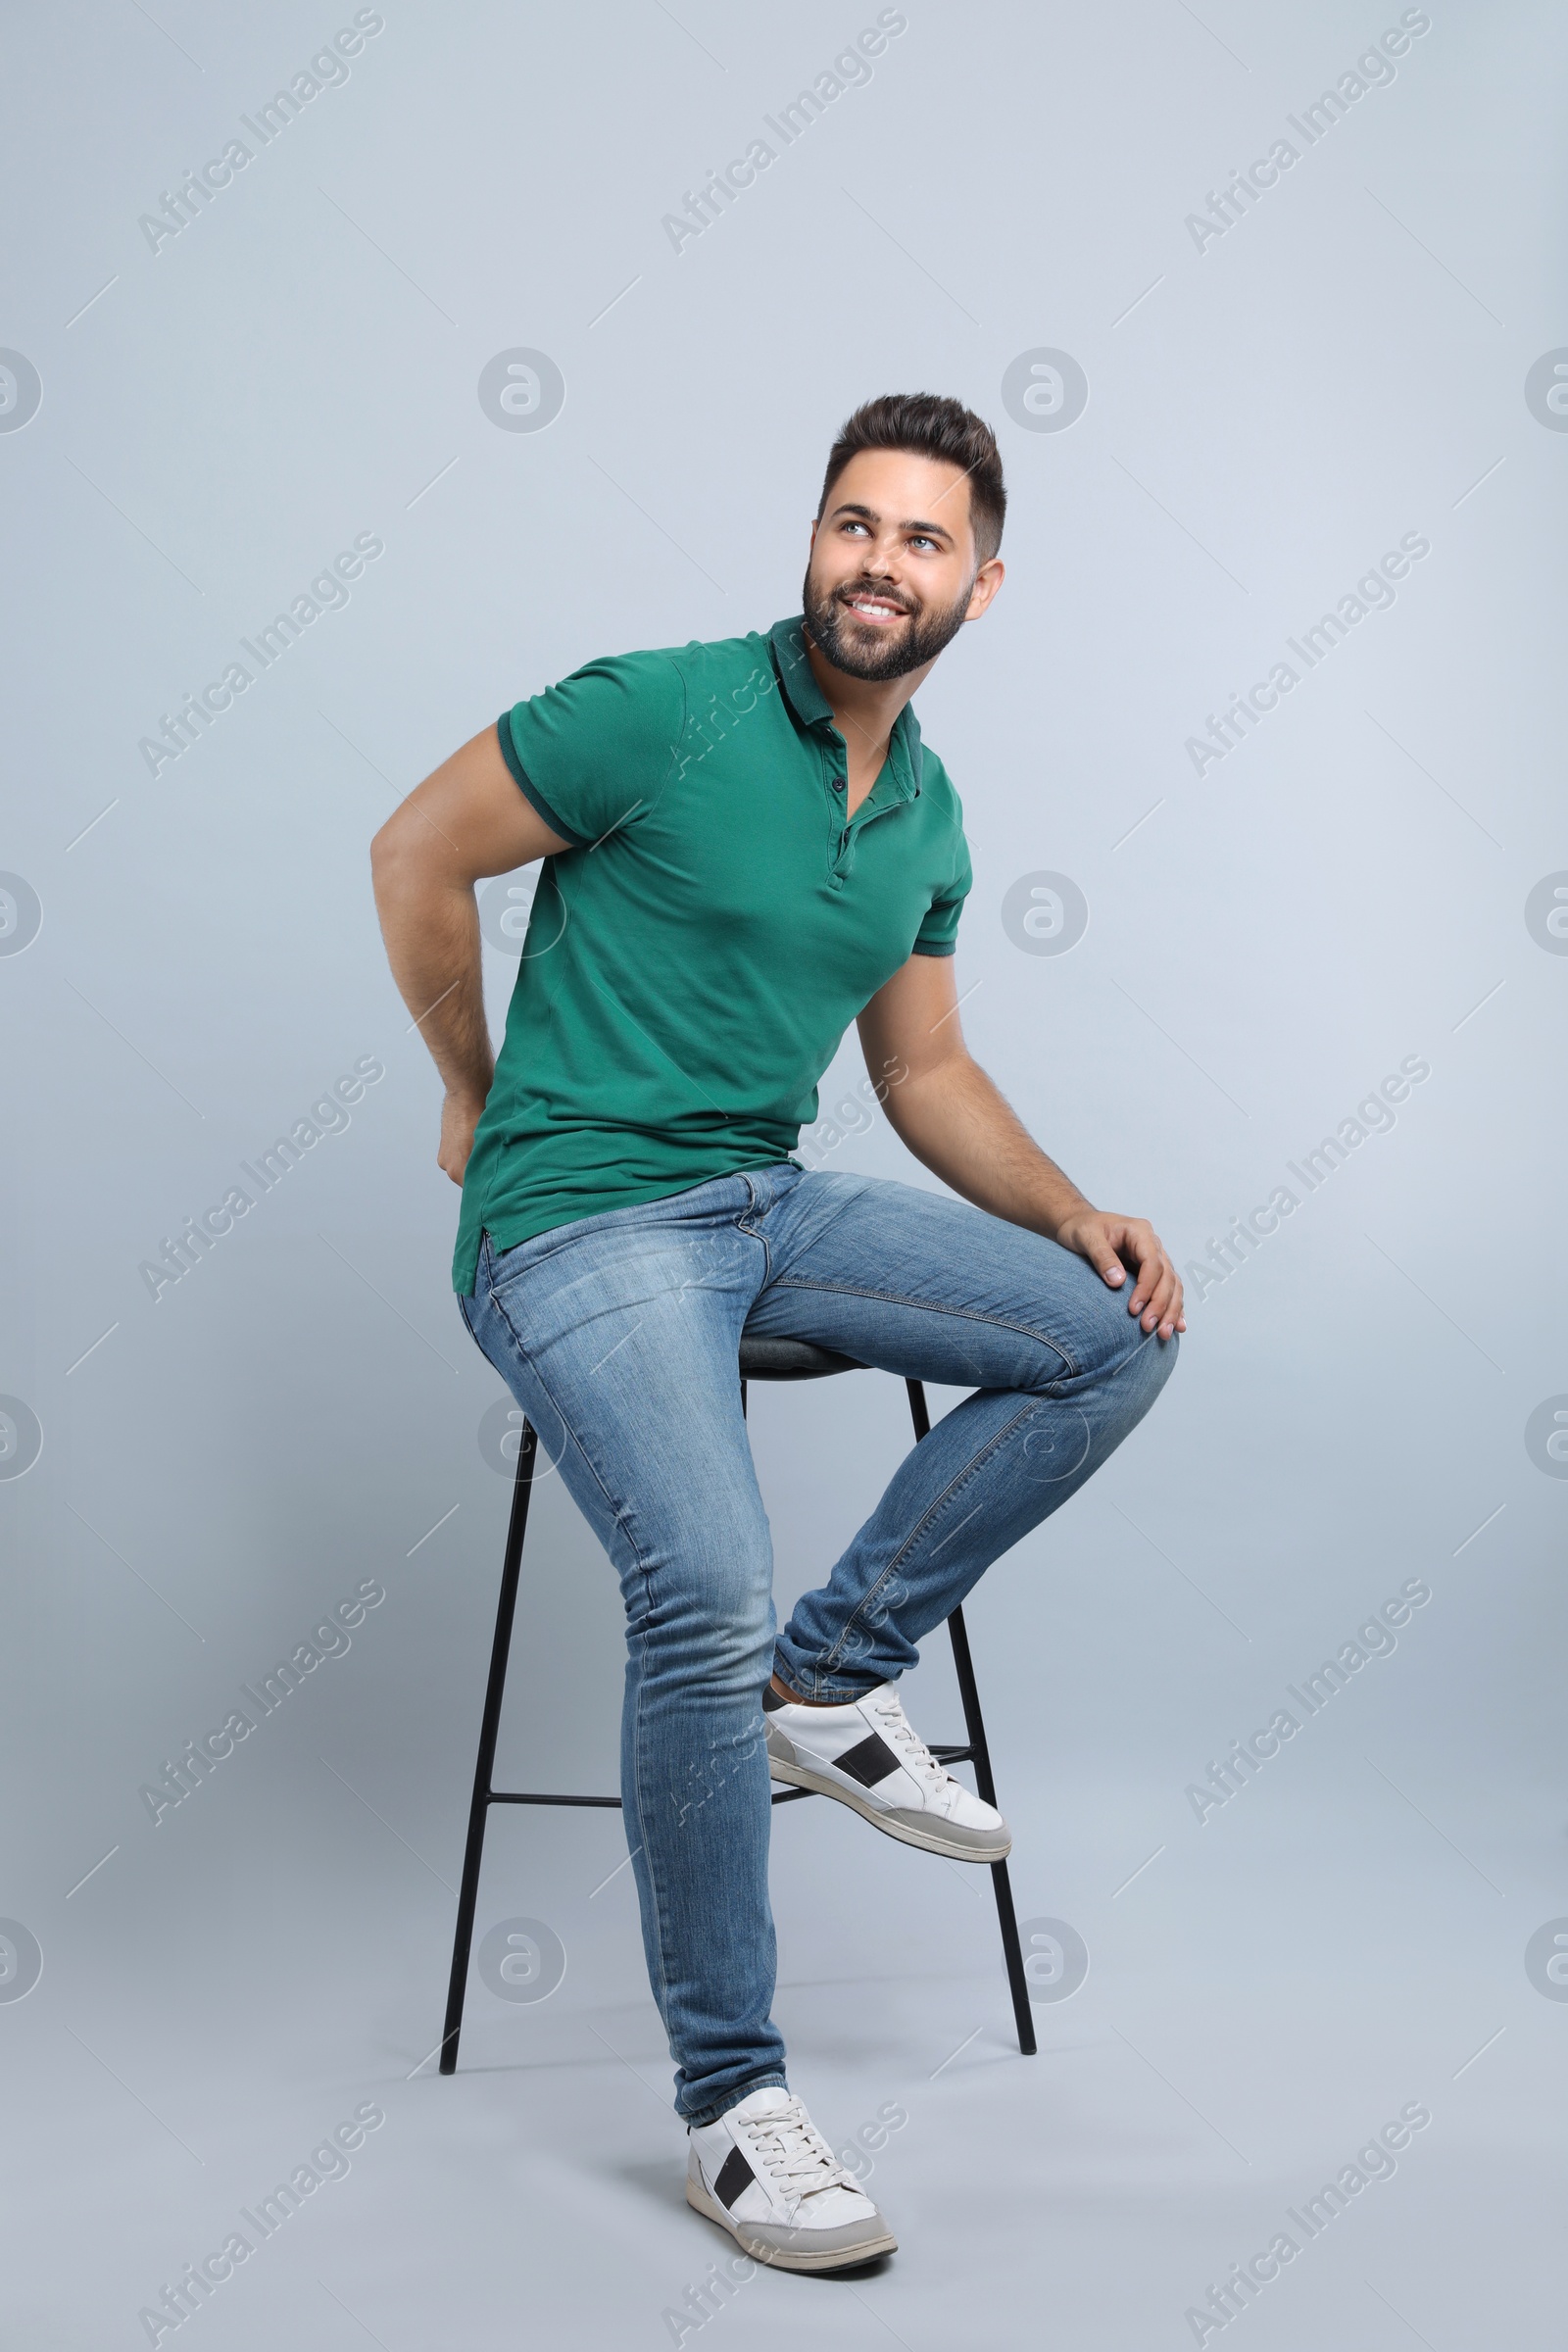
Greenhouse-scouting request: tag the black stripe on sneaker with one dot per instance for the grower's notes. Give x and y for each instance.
(771, 1700)
(734, 2176)
(868, 1762)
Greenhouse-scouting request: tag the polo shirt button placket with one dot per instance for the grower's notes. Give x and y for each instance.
(835, 880)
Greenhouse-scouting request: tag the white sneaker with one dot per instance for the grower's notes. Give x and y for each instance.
(766, 2174)
(869, 1755)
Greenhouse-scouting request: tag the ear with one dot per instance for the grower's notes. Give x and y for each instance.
(987, 580)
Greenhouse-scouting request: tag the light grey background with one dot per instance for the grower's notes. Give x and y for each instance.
(1267, 416)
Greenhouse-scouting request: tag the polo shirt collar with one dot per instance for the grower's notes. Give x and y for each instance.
(811, 706)
(795, 674)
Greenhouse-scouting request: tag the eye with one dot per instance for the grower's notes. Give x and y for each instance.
(920, 539)
(854, 525)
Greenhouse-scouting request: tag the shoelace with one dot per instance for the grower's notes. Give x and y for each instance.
(793, 2150)
(912, 1748)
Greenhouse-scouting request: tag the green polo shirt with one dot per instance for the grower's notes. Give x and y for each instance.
(695, 957)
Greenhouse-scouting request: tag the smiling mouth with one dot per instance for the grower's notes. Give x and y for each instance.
(879, 611)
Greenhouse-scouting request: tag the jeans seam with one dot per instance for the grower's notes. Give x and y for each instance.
(930, 1306)
(761, 1241)
(662, 1990)
(959, 1479)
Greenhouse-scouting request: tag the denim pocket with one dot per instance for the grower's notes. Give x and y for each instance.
(717, 1200)
(501, 1268)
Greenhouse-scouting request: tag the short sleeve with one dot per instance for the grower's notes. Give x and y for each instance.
(938, 934)
(592, 751)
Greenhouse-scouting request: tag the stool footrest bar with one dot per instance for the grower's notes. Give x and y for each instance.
(516, 1796)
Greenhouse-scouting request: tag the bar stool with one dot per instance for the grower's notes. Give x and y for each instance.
(760, 1359)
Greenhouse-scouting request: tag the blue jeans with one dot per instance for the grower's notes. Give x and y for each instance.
(618, 1334)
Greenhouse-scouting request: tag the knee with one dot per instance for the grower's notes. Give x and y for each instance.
(707, 1616)
(1136, 1380)
(1112, 1354)
(737, 1654)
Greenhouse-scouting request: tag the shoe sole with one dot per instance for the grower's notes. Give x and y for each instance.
(781, 2257)
(929, 1842)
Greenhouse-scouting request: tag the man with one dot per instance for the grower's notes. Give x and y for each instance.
(746, 846)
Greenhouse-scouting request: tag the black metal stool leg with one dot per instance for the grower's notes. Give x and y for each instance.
(495, 1691)
(974, 1727)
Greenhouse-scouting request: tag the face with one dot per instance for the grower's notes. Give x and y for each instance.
(893, 575)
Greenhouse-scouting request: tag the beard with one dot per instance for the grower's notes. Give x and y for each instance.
(876, 651)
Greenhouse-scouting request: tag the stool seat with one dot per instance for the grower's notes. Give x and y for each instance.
(791, 1359)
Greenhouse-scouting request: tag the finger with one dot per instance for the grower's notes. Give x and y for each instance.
(1142, 1247)
(1103, 1247)
(1162, 1304)
(1147, 1247)
(1162, 1281)
(1172, 1320)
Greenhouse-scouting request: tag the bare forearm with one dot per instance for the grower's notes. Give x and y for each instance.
(431, 929)
(957, 1123)
(466, 820)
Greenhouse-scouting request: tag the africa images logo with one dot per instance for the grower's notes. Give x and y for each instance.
(21, 391)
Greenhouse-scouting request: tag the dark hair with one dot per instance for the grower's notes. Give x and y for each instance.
(928, 425)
